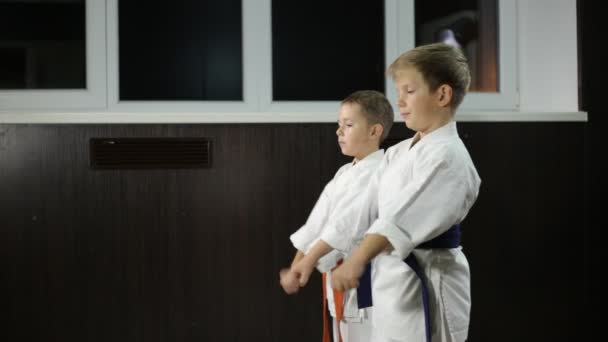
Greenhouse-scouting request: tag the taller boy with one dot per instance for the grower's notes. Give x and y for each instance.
(421, 192)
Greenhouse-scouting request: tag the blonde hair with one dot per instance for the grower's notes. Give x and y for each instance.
(439, 64)
(375, 108)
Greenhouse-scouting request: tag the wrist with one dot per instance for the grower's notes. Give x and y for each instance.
(309, 260)
(358, 259)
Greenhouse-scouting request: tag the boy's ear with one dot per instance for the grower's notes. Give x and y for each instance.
(444, 95)
(377, 130)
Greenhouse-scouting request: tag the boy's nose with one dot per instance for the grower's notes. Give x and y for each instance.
(401, 100)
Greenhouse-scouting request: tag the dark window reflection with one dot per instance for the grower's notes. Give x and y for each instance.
(471, 25)
(325, 50)
(184, 50)
(42, 45)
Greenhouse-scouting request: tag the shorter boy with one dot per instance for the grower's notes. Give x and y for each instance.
(364, 120)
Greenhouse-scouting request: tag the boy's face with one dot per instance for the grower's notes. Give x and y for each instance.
(354, 132)
(421, 109)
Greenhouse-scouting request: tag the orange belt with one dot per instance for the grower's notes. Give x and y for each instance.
(339, 304)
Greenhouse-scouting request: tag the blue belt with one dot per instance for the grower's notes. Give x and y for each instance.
(449, 239)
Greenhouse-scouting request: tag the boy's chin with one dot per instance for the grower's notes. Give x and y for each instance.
(410, 125)
(346, 153)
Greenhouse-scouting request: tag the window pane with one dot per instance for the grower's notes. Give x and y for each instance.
(325, 50)
(184, 50)
(42, 44)
(470, 24)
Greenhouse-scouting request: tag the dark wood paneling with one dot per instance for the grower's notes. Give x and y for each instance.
(592, 99)
(191, 255)
(158, 255)
(525, 235)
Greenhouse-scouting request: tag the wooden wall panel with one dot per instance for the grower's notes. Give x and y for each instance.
(191, 255)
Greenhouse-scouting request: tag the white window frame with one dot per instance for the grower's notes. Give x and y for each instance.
(93, 97)
(251, 25)
(99, 103)
(399, 37)
(325, 111)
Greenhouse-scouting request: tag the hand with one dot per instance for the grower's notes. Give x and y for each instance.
(303, 269)
(289, 281)
(347, 275)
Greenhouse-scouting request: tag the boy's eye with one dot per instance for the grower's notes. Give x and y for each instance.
(410, 91)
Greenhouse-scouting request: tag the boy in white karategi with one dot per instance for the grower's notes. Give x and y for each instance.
(414, 205)
(364, 120)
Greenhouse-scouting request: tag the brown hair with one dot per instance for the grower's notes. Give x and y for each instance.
(439, 64)
(375, 108)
